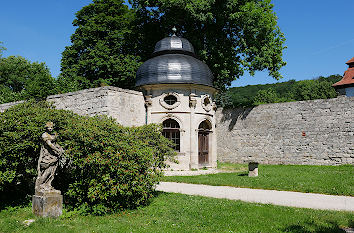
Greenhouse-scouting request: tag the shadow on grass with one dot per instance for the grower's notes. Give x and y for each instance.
(309, 226)
(243, 174)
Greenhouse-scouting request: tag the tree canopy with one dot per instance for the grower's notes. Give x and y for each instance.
(2, 48)
(230, 36)
(21, 79)
(100, 54)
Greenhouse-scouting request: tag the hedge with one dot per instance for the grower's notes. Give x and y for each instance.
(107, 166)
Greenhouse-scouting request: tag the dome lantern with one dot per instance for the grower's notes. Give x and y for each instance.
(174, 61)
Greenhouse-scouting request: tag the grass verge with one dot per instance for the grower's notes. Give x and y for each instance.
(181, 213)
(334, 180)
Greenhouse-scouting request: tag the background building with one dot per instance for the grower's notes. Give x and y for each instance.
(346, 85)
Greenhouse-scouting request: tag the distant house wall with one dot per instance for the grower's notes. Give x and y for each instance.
(126, 106)
(306, 132)
(349, 91)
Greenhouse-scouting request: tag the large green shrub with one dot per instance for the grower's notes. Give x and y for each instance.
(108, 166)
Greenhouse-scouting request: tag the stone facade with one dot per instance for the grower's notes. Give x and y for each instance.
(189, 111)
(126, 106)
(317, 132)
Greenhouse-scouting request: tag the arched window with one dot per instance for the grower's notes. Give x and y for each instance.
(171, 131)
(204, 126)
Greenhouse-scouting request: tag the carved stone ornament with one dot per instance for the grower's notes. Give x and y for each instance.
(170, 100)
(148, 101)
(215, 107)
(192, 100)
(207, 103)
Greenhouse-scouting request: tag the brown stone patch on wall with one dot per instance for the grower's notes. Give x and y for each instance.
(306, 132)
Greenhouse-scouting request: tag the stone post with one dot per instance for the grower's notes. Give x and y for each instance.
(253, 169)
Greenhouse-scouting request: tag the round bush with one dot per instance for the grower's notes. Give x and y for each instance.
(107, 167)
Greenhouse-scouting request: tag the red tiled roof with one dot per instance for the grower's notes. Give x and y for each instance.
(350, 61)
(348, 77)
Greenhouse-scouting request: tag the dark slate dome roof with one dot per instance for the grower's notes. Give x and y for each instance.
(175, 44)
(173, 61)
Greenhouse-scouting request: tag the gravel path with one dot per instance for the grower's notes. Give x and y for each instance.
(193, 173)
(283, 198)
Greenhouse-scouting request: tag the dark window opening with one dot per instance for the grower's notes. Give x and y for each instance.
(171, 131)
(204, 126)
(206, 101)
(170, 99)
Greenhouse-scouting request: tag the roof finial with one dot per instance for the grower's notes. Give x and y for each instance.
(174, 29)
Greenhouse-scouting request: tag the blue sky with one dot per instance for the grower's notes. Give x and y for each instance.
(319, 33)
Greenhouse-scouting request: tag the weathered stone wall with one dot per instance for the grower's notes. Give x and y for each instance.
(306, 132)
(3, 107)
(126, 106)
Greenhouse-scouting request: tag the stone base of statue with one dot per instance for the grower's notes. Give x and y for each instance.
(47, 204)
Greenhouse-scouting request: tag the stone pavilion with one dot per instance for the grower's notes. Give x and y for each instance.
(178, 94)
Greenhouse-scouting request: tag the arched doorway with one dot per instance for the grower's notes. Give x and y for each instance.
(204, 129)
(171, 130)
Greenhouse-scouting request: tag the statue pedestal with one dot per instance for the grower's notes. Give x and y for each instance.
(47, 204)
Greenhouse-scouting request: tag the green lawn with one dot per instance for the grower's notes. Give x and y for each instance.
(182, 213)
(335, 180)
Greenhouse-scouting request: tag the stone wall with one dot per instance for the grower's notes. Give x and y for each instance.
(126, 106)
(306, 132)
(3, 107)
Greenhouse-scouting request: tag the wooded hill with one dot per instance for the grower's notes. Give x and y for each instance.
(252, 95)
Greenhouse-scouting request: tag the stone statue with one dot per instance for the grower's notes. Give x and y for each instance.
(48, 161)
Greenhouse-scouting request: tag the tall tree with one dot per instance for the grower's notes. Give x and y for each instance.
(2, 48)
(99, 54)
(231, 36)
(21, 79)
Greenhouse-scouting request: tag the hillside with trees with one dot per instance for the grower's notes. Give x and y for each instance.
(252, 95)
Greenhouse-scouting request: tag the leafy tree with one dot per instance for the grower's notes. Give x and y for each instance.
(230, 36)
(266, 96)
(224, 99)
(313, 89)
(20, 79)
(2, 48)
(100, 54)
